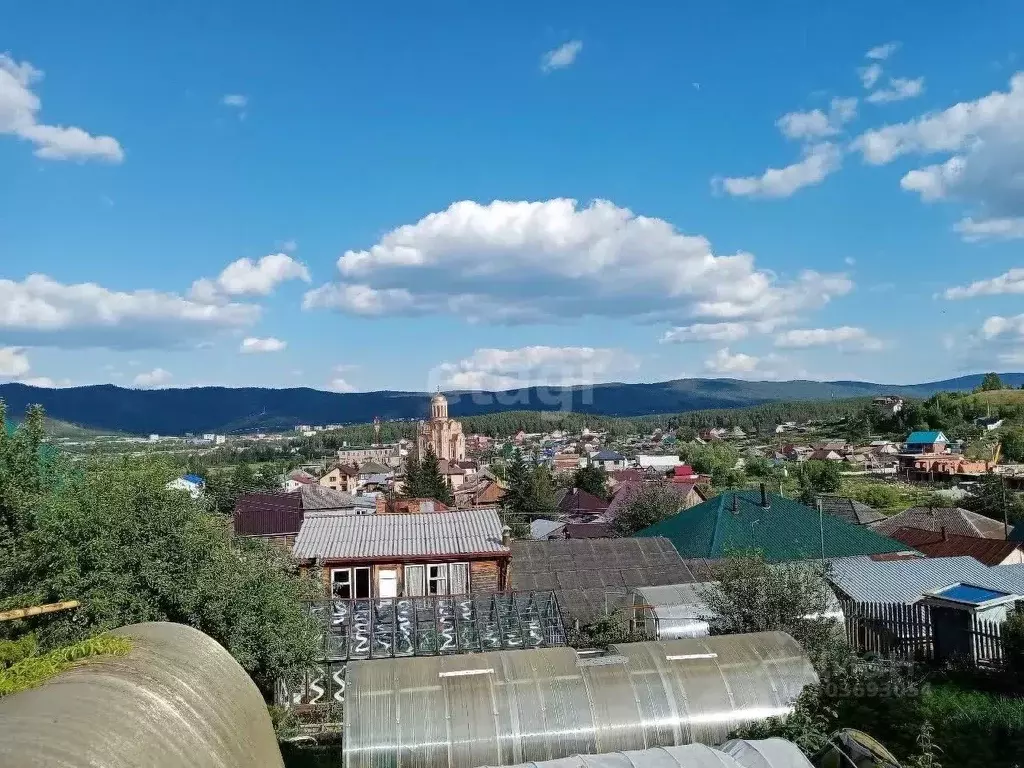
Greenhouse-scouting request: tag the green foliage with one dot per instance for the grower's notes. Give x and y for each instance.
(109, 534)
(423, 479)
(1012, 632)
(808, 726)
(530, 494)
(591, 479)
(993, 499)
(1013, 444)
(717, 459)
(12, 651)
(607, 630)
(753, 595)
(990, 383)
(33, 670)
(928, 753)
(816, 477)
(649, 504)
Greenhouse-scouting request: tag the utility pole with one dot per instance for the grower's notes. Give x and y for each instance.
(1006, 513)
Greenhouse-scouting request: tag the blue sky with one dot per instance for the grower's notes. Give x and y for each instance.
(467, 194)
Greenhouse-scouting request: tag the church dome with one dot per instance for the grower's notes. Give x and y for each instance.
(439, 398)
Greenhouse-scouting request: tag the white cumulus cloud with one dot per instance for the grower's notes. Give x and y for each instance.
(870, 75)
(338, 384)
(706, 332)
(1000, 228)
(19, 116)
(883, 52)
(740, 365)
(13, 363)
(41, 311)
(535, 262)
(844, 337)
(157, 377)
(503, 369)
(900, 89)
(238, 100)
(818, 162)
(250, 277)
(983, 141)
(1010, 282)
(561, 57)
(252, 345)
(818, 124)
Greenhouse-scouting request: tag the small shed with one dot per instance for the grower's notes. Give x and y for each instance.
(956, 611)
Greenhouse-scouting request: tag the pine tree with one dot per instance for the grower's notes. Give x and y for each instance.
(431, 483)
(515, 502)
(412, 487)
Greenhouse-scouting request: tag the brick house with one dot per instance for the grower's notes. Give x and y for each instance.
(406, 555)
(342, 477)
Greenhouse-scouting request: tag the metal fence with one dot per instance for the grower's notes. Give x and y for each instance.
(386, 628)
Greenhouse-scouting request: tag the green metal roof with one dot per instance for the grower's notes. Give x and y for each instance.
(786, 530)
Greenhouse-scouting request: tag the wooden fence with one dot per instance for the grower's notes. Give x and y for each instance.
(907, 632)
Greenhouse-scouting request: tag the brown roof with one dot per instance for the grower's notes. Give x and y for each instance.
(626, 475)
(850, 510)
(944, 544)
(579, 502)
(267, 514)
(589, 531)
(953, 519)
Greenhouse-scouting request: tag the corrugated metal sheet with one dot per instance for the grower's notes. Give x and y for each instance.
(267, 514)
(953, 519)
(512, 707)
(945, 544)
(447, 533)
(904, 581)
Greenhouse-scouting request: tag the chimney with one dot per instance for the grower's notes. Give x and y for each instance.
(506, 535)
(381, 505)
(764, 497)
(735, 505)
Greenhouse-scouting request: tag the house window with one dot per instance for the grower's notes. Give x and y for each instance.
(414, 581)
(458, 574)
(362, 578)
(341, 583)
(437, 579)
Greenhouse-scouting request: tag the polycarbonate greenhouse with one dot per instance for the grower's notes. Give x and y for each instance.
(760, 753)
(675, 611)
(511, 707)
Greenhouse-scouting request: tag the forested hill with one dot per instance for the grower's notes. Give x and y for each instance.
(220, 409)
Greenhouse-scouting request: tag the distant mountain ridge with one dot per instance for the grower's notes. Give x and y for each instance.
(222, 409)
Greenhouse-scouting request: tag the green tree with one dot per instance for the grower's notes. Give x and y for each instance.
(1013, 444)
(108, 533)
(650, 503)
(515, 504)
(753, 595)
(859, 426)
(816, 477)
(990, 383)
(413, 486)
(592, 479)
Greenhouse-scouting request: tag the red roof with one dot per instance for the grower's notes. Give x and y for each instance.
(944, 544)
(683, 470)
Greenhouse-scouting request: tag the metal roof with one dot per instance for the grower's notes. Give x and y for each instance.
(376, 536)
(319, 497)
(953, 519)
(926, 437)
(945, 544)
(783, 531)
(766, 753)
(904, 581)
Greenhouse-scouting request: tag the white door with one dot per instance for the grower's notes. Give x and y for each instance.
(387, 583)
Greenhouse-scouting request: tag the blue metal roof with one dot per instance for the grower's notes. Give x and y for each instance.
(926, 437)
(194, 479)
(607, 455)
(968, 593)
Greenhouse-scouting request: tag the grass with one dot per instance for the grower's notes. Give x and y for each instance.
(950, 704)
(889, 496)
(1001, 397)
(31, 670)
